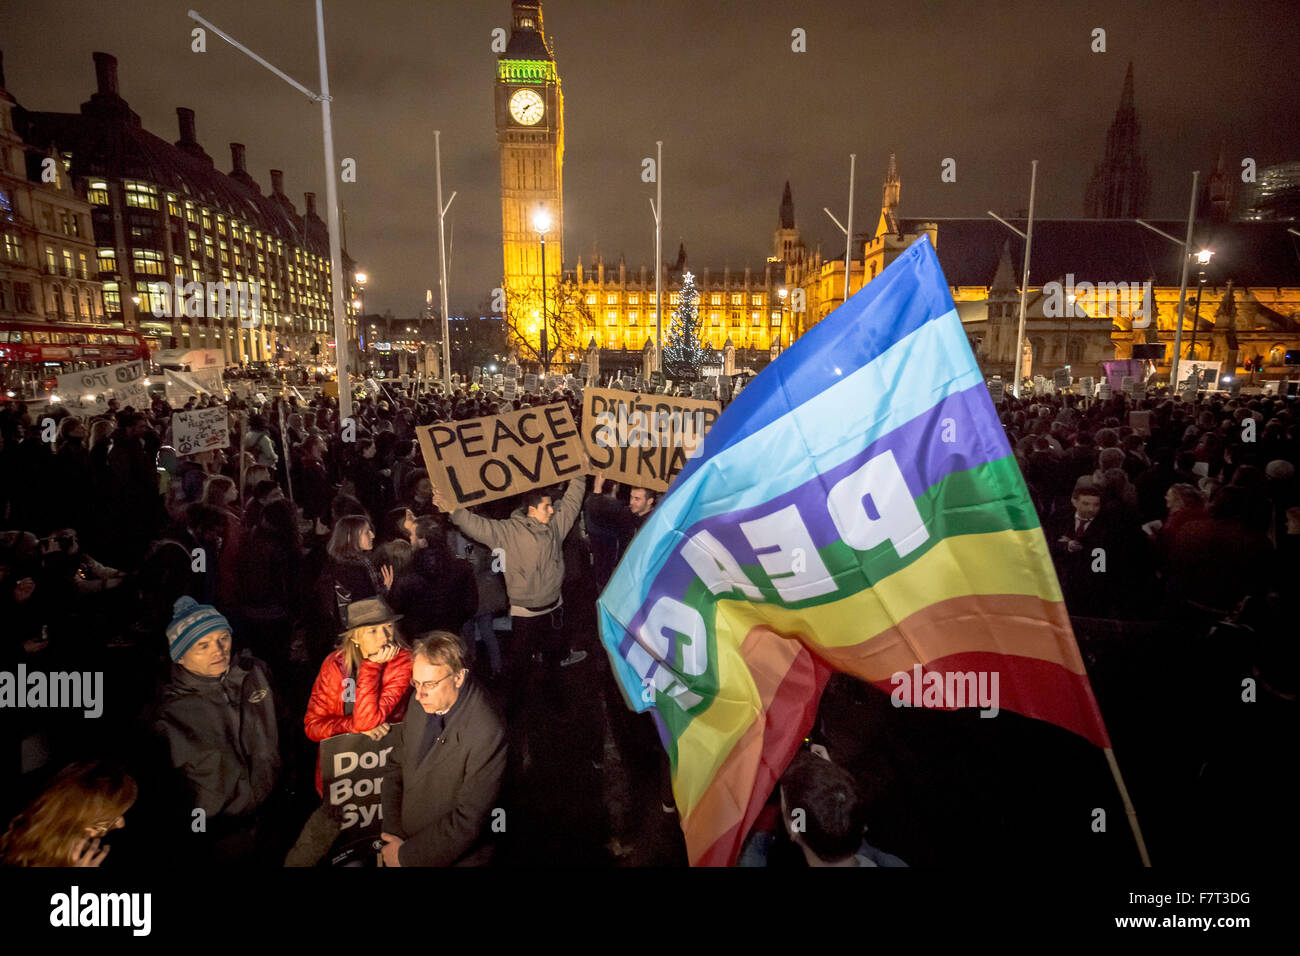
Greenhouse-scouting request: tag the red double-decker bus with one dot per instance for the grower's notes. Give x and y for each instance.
(33, 355)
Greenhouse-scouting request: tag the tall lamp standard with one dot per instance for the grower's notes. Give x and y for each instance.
(331, 194)
(542, 223)
(784, 295)
(1202, 257)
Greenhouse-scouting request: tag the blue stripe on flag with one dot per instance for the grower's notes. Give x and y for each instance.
(909, 293)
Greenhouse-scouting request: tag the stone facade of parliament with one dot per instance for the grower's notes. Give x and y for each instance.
(1249, 294)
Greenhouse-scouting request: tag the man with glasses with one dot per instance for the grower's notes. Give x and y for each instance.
(444, 773)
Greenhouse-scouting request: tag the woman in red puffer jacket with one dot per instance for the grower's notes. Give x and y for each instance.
(362, 688)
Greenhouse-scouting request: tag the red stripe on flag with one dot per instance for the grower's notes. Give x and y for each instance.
(1035, 688)
(786, 724)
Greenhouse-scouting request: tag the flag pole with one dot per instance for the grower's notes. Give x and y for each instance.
(848, 232)
(1129, 811)
(288, 457)
(1024, 282)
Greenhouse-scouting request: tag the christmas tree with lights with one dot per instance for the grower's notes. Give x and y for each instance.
(685, 353)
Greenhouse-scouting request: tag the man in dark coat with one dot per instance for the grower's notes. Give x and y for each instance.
(444, 773)
(217, 721)
(1073, 535)
(135, 508)
(611, 525)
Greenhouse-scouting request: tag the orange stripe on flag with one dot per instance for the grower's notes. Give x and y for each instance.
(788, 680)
(1019, 625)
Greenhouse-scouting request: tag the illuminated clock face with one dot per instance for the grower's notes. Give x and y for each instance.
(527, 107)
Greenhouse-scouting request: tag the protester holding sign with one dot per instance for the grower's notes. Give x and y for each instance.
(611, 525)
(532, 540)
(479, 460)
(641, 440)
(362, 688)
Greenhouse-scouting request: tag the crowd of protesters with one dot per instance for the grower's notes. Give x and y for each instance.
(1182, 510)
(298, 585)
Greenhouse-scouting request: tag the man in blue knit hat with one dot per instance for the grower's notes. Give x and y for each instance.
(217, 719)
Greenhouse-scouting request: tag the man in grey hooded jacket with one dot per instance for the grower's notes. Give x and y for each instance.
(530, 546)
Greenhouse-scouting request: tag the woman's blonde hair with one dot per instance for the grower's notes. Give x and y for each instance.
(352, 656)
(83, 795)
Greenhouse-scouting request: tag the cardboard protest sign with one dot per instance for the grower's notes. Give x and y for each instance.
(475, 373)
(553, 382)
(643, 440)
(509, 389)
(210, 379)
(87, 392)
(181, 387)
(1104, 391)
(699, 390)
(512, 371)
(530, 382)
(200, 430)
(352, 776)
(1061, 379)
(997, 391)
(483, 459)
(1140, 422)
(1088, 385)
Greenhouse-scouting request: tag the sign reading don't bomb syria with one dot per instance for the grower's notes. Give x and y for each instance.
(352, 774)
(644, 440)
(483, 459)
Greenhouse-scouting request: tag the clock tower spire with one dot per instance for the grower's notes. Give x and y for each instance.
(530, 141)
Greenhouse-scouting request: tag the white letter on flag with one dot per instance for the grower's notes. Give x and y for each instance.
(899, 520)
(785, 532)
(716, 567)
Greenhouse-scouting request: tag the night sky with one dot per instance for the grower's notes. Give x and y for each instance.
(989, 84)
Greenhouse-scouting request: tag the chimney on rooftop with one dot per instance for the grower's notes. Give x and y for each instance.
(186, 117)
(106, 73)
(277, 182)
(237, 158)
(311, 203)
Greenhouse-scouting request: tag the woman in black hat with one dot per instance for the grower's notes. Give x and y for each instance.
(362, 688)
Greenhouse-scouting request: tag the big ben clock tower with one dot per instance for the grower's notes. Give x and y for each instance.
(530, 136)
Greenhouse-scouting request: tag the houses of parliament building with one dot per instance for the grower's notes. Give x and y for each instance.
(1244, 305)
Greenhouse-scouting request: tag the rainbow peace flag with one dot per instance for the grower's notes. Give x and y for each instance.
(857, 508)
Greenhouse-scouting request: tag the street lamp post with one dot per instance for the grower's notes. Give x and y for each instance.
(1196, 315)
(1202, 257)
(331, 194)
(542, 223)
(784, 294)
(847, 230)
(1028, 236)
(442, 259)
